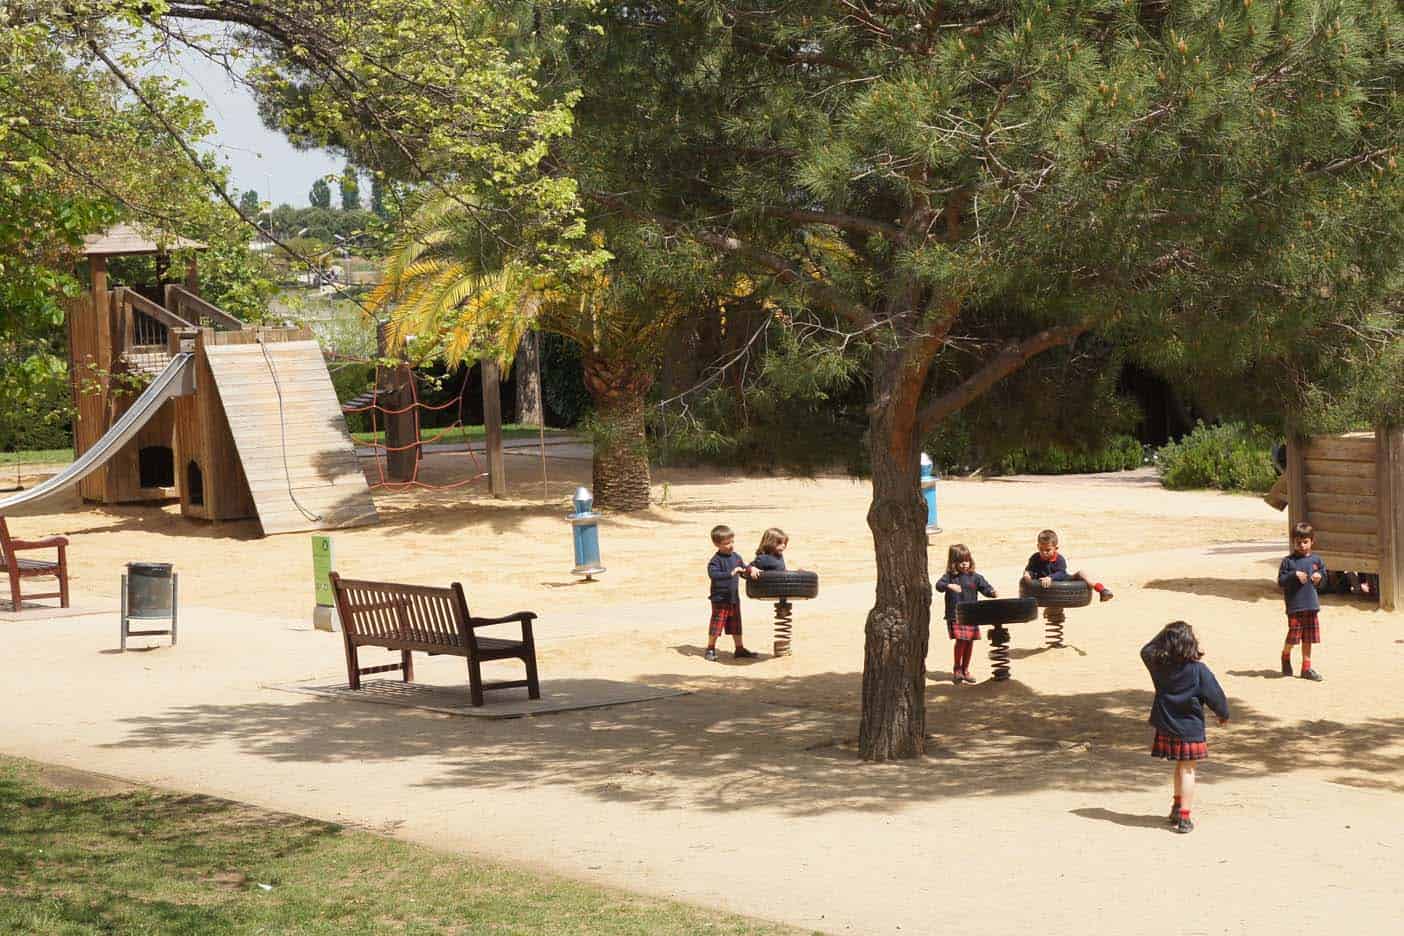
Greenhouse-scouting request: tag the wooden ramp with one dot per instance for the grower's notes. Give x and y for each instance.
(295, 451)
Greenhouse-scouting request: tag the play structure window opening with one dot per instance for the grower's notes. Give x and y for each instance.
(195, 484)
(156, 466)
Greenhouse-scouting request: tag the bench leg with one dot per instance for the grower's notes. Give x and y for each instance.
(475, 682)
(63, 576)
(533, 687)
(14, 592)
(353, 666)
(406, 666)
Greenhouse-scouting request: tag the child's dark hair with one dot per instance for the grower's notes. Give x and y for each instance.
(720, 532)
(1047, 538)
(1304, 530)
(1176, 644)
(958, 553)
(769, 540)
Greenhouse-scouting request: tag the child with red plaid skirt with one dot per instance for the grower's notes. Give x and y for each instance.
(1298, 577)
(962, 584)
(725, 594)
(1183, 686)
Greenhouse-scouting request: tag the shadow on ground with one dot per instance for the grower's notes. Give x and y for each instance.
(788, 742)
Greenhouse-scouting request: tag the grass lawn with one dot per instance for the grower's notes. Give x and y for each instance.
(464, 433)
(79, 854)
(37, 457)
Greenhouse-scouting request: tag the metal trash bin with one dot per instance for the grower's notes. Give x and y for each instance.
(149, 594)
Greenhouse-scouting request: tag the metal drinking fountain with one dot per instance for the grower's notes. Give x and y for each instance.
(585, 529)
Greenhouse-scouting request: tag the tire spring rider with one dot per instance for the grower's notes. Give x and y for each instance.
(1053, 619)
(995, 614)
(999, 652)
(782, 587)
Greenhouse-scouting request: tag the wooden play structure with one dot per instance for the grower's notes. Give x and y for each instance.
(1351, 489)
(174, 397)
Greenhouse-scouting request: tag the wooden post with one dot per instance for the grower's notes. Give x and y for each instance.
(1296, 482)
(1389, 492)
(192, 277)
(492, 428)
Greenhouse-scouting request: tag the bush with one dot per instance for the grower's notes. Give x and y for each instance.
(1121, 453)
(1230, 457)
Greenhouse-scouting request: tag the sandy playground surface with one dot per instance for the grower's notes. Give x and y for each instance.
(1039, 809)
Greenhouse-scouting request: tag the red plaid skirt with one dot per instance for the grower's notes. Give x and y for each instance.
(960, 631)
(726, 619)
(1304, 627)
(1174, 747)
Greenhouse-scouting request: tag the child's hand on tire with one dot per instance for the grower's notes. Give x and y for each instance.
(1045, 581)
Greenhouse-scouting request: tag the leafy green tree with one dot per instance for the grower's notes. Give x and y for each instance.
(377, 202)
(320, 195)
(950, 191)
(249, 203)
(350, 190)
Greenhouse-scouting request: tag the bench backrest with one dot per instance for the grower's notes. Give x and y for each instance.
(399, 612)
(4, 544)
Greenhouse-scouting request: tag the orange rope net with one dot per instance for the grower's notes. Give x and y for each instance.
(382, 451)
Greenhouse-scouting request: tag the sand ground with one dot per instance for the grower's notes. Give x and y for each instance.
(1038, 809)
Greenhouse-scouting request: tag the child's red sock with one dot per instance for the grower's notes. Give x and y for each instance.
(965, 656)
(959, 655)
(1098, 587)
(1306, 664)
(1184, 813)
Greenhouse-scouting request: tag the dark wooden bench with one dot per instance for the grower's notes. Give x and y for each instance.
(18, 568)
(417, 618)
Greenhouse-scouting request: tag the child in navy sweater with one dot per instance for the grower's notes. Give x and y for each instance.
(962, 584)
(1183, 686)
(770, 554)
(1298, 577)
(725, 594)
(1046, 567)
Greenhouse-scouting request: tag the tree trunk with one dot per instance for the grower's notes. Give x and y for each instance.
(621, 475)
(528, 366)
(893, 722)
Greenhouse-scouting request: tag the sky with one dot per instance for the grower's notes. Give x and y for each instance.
(258, 158)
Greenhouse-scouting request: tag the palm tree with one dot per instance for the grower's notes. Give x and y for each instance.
(446, 281)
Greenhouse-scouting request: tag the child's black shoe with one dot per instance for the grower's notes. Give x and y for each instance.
(1106, 594)
(711, 655)
(744, 654)
(1287, 667)
(1174, 815)
(1184, 824)
(1311, 674)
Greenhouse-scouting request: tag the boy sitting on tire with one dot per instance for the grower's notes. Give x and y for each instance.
(1047, 567)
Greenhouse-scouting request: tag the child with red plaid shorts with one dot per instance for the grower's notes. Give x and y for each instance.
(725, 594)
(1298, 577)
(1183, 686)
(962, 584)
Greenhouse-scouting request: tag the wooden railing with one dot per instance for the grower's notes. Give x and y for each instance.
(144, 325)
(184, 302)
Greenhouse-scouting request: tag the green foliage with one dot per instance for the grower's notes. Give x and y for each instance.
(249, 203)
(562, 381)
(320, 194)
(35, 399)
(1122, 453)
(1229, 456)
(350, 188)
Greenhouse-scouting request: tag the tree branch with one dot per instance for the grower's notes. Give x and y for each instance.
(1007, 361)
(849, 222)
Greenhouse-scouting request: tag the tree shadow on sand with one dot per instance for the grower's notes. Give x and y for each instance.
(787, 742)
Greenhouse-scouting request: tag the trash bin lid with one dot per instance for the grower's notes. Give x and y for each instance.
(150, 569)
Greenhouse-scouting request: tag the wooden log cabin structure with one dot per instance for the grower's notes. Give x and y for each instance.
(254, 432)
(1350, 488)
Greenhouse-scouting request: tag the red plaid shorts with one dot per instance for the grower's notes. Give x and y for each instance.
(726, 619)
(960, 631)
(1304, 626)
(1174, 747)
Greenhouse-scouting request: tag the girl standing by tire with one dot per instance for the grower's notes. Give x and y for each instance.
(962, 584)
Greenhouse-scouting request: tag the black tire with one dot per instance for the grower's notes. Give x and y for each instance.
(997, 611)
(1069, 593)
(774, 586)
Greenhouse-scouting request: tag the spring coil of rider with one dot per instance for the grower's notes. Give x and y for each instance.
(784, 614)
(1053, 619)
(999, 652)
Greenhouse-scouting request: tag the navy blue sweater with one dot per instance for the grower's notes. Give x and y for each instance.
(972, 586)
(725, 588)
(1057, 570)
(768, 563)
(1181, 692)
(1300, 596)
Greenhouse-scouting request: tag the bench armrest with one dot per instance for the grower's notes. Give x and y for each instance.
(526, 617)
(49, 543)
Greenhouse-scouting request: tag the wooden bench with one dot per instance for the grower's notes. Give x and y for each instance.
(417, 618)
(18, 568)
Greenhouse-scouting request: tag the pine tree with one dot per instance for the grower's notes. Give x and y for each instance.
(320, 195)
(350, 190)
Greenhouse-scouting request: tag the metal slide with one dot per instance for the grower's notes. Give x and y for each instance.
(178, 379)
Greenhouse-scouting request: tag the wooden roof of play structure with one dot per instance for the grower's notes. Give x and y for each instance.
(129, 240)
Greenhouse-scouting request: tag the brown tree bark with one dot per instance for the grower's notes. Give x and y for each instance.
(893, 723)
(527, 364)
(620, 471)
